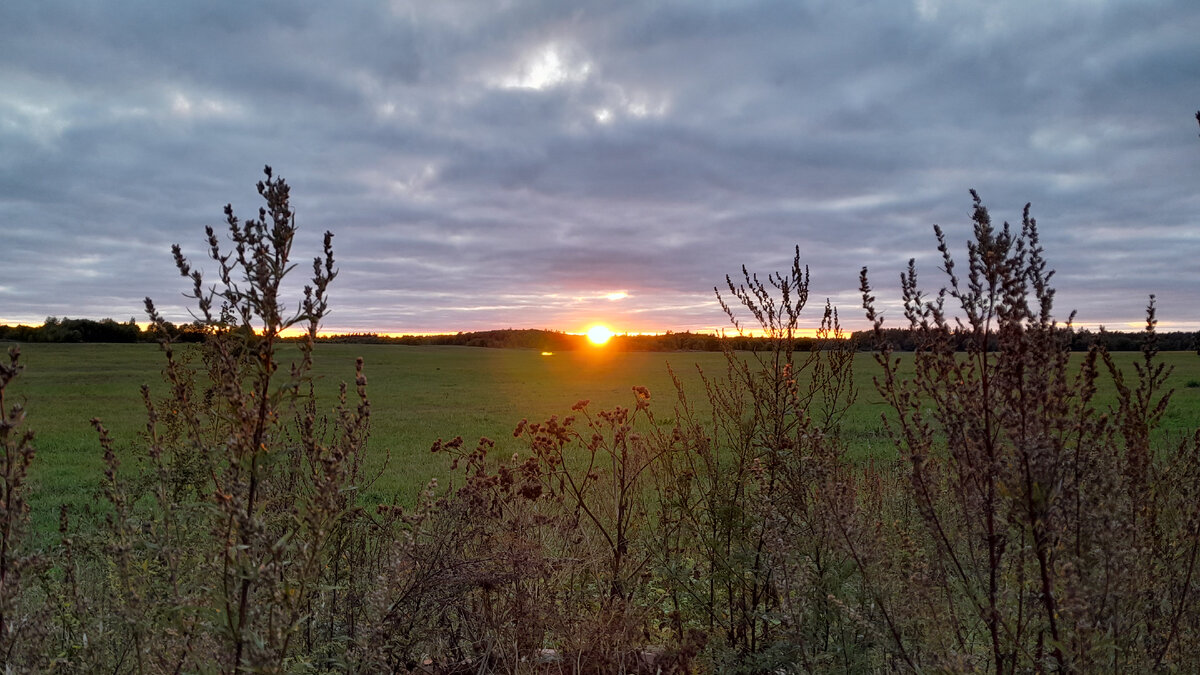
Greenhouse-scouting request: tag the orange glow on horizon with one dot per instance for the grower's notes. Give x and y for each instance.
(599, 334)
(594, 337)
(593, 333)
(797, 333)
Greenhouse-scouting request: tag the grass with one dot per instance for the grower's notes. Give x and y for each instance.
(419, 394)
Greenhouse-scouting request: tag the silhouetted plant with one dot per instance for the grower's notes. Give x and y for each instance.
(1035, 511)
(538, 559)
(742, 550)
(22, 629)
(224, 542)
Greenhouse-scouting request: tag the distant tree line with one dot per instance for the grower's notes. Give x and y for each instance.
(546, 340)
(901, 339)
(61, 330)
(510, 338)
(1079, 339)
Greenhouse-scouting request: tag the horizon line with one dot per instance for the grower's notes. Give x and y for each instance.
(799, 332)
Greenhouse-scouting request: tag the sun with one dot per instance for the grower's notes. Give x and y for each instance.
(599, 334)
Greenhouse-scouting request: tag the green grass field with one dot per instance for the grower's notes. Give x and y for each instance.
(418, 394)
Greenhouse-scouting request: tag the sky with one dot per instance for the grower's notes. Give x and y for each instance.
(551, 164)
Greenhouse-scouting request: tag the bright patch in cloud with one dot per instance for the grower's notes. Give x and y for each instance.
(620, 103)
(927, 9)
(546, 69)
(41, 122)
(185, 106)
(617, 295)
(413, 185)
(640, 109)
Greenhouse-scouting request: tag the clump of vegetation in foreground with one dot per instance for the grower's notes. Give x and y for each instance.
(1024, 528)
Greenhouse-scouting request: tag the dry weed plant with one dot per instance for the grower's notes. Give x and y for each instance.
(1053, 538)
(538, 563)
(744, 557)
(22, 619)
(238, 544)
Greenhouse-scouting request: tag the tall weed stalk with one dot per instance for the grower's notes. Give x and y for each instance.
(22, 621)
(1036, 503)
(222, 542)
(744, 559)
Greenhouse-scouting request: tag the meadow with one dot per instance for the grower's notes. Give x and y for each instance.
(418, 395)
(422, 393)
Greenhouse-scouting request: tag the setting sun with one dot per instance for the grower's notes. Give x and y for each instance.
(599, 334)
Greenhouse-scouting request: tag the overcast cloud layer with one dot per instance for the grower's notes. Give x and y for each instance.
(547, 164)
